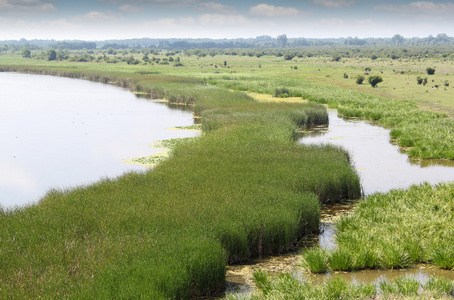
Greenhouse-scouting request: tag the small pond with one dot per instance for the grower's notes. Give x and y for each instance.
(59, 132)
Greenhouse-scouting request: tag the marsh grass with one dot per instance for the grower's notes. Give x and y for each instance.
(243, 189)
(315, 260)
(397, 230)
(285, 286)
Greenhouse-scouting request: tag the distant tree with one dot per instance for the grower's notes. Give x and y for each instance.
(62, 55)
(26, 53)
(397, 39)
(419, 79)
(282, 40)
(430, 71)
(374, 80)
(289, 56)
(51, 54)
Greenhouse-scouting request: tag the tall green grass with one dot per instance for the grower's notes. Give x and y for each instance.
(287, 287)
(243, 189)
(422, 133)
(395, 230)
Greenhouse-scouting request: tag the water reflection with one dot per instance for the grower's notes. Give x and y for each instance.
(59, 132)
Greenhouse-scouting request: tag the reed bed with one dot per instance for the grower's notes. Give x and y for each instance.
(405, 287)
(422, 133)
(243, 189)
(394, 230)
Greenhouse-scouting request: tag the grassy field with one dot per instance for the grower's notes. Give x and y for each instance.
(243, 189)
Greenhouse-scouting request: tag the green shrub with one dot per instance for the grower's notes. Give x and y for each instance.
(360, 79)
(374, 80)
(430, 71)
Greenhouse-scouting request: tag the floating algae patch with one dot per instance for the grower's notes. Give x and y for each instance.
(150, 161)
(166, 145)
(194, 127)
(271, 98)
(172, 143)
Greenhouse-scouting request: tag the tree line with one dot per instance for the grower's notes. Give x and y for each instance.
(264, 41)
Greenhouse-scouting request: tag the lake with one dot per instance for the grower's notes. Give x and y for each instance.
(59, 133)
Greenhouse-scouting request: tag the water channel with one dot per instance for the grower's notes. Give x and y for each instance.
(59, 132)
(382, 167)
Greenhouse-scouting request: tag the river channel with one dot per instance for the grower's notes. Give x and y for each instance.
(59, 132)
(382, 166)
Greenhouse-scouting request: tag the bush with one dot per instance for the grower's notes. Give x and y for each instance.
(360, 79)
(430, 71)
(374, 80)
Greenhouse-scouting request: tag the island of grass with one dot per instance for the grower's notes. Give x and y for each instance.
(243, 189)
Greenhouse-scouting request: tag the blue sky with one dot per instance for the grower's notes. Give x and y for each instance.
(112, 19)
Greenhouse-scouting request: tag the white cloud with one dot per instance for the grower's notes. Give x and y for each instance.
(130, 8)
(334, 3)
(26, 5)
(217, 7)
(96, 16)
(332, 23)
(426, 7)
(221, 20)
(169, 3)
(273, 11)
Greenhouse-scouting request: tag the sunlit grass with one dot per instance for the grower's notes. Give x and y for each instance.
(243, 189)
(287, 287)
(394, 230)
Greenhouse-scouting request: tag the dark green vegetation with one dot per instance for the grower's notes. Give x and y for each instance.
(374, 80)
(243, 189)
(394, 230)
(286, 287)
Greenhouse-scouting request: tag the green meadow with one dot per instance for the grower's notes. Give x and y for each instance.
(243, 189)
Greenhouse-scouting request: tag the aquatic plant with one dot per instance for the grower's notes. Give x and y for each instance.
(315, 260)
(243, 189)
(397, 230)
(285, 286)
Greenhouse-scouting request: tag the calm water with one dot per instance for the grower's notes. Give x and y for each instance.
(59, 132)
(380, 164)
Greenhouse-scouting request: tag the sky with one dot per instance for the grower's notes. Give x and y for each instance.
(124, 19)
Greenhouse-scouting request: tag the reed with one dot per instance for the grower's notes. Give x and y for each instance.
(243, 189)
(397, 230)
(285, 286)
